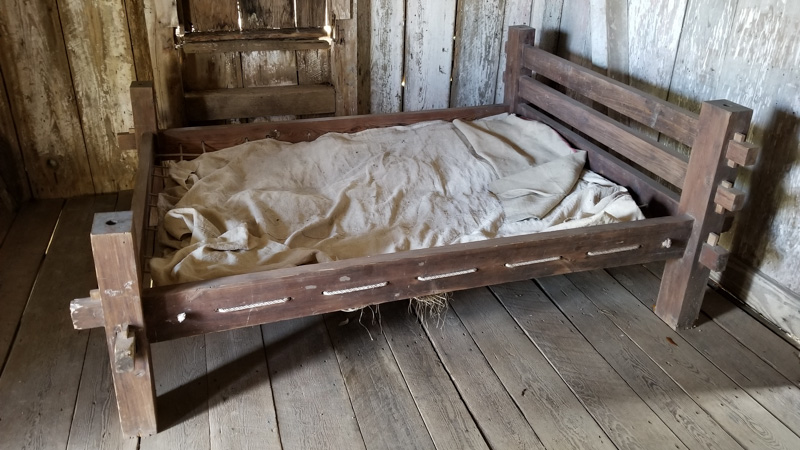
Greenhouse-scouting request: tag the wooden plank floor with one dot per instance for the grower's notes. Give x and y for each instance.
(577, 361)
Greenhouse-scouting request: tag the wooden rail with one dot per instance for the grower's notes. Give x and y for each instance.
(642, 107)
(654, 199)
(653, 156)
(196, 140)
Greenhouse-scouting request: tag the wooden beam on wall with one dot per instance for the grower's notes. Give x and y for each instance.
(261, 101)
(254, 45)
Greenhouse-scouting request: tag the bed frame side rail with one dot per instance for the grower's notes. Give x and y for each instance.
(705, 178)
(238, 301)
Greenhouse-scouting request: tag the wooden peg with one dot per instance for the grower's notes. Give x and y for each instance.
(124, 350)
(713, 239)
(728, 198)
(714, 257)
(741, 153)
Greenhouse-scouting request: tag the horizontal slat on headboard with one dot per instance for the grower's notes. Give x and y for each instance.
(259, 101)
(659, 200)
(185, 142)
(657, 158)
(647, 109)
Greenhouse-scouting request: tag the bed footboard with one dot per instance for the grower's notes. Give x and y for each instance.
(705, 179)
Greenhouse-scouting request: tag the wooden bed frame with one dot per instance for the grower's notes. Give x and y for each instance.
(681, 230)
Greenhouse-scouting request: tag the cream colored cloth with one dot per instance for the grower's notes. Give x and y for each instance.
(268, 204)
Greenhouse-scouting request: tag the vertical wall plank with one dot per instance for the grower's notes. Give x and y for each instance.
(761, 69)
(428, 54)
(363, 17)
(701, 52)
(161, 18)
(211, 70)
(12, 168)
(617, 35)
(518, 12)
(99, 49)
(135, 10)
(384, 53)
(546, 19)
(654, 32)
(575, 39)
(40, 93)
(479, 26)
(345, 66)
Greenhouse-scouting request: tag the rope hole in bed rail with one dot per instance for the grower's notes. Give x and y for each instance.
(356, 289)
(535, 261)
(447, 275)
(614, 250)
(253, 305)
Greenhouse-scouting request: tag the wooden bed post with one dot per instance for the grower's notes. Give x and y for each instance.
(116, 243)
(707, 197)
(518, 37)
(119, 282)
